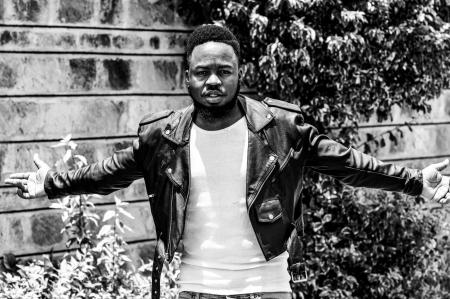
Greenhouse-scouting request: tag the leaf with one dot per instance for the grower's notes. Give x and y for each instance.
(409, 127)
(70, 242)
(67, 155)
(72, 145)
(393, 138)
(63, 142)
(327, 218)
(56, 205)
(119, 202)
(317, 226)
(105, 230)
(119, 225)
(126, 227)
(108, 215)
(126, 258)
(125, 213)
(9, 261)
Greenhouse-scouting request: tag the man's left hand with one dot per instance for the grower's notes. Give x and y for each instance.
(435, 185)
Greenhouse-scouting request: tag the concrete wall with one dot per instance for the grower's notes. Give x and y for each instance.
(426, 141)
(92, 69)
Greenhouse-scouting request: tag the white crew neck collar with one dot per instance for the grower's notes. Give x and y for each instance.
(238, 123)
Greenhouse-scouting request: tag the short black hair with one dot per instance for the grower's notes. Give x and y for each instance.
(211, 33)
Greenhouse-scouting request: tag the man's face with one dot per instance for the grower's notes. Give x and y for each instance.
(213, 76)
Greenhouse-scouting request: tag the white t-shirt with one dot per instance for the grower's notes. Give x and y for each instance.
(221, 253)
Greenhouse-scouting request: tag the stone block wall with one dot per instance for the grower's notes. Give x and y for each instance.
(90, 68)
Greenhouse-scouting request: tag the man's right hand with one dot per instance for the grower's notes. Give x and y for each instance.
(30, 184)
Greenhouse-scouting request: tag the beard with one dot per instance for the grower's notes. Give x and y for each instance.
(214, 113)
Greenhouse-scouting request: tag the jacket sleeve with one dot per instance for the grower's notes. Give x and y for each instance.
(113, 173)
(355, 168)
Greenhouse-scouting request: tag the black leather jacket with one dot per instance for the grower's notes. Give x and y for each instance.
(280, 146)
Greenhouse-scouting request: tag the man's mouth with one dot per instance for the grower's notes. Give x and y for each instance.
(213, 94)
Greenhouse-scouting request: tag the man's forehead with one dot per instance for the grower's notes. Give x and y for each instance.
(213, 52)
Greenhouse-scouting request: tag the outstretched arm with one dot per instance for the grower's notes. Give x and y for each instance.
(104, 177)
(360, 170)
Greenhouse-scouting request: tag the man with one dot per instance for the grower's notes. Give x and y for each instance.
(225, 175)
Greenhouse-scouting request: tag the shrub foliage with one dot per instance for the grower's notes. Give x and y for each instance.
(97, 265)
(344, 62)
(341, 61)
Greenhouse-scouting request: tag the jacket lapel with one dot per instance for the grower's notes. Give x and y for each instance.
(178, 132)
(261, 159)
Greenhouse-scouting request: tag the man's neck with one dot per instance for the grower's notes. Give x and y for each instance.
(207, 120)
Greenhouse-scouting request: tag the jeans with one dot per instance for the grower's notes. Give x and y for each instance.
(276, 295)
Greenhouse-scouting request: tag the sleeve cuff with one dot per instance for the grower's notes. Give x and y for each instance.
(414, 184)
(48, 185)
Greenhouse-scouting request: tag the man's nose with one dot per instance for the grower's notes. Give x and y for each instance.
(213, 79)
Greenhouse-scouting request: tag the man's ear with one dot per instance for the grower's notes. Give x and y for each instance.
(186, 78)
(241, 73)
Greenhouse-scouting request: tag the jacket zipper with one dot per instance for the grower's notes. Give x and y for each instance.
(186, 200)
(267, 175)
(169, 245)
(184, 215)
(286, 160)
(169, 237)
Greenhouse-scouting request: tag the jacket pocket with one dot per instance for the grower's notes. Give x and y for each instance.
(269, 211)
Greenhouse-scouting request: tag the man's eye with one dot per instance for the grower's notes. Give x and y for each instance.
(225, 72)
(201, 73)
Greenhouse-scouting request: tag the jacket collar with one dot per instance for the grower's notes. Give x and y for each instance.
(256, 113)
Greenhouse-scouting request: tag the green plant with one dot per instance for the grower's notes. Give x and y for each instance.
(341, 61)
(365, 244)
(344, 62)
(97, 265)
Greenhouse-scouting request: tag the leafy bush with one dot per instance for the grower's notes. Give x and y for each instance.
(365, 244)
(341, 61)
(344, 62)
(97, 266)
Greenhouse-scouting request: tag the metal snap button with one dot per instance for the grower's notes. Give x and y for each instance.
(272, 158)
(167, 132)
(169, 170)
(268, 116)
(270, 216)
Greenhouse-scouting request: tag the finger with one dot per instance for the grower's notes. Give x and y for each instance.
(22, 184)
(440, 193)
(20, 175)
(446, 199)
(22, 194)
(38, 162)
(442, 165)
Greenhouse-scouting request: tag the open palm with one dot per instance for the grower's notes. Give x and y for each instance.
(435, 185)
(30, 184)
